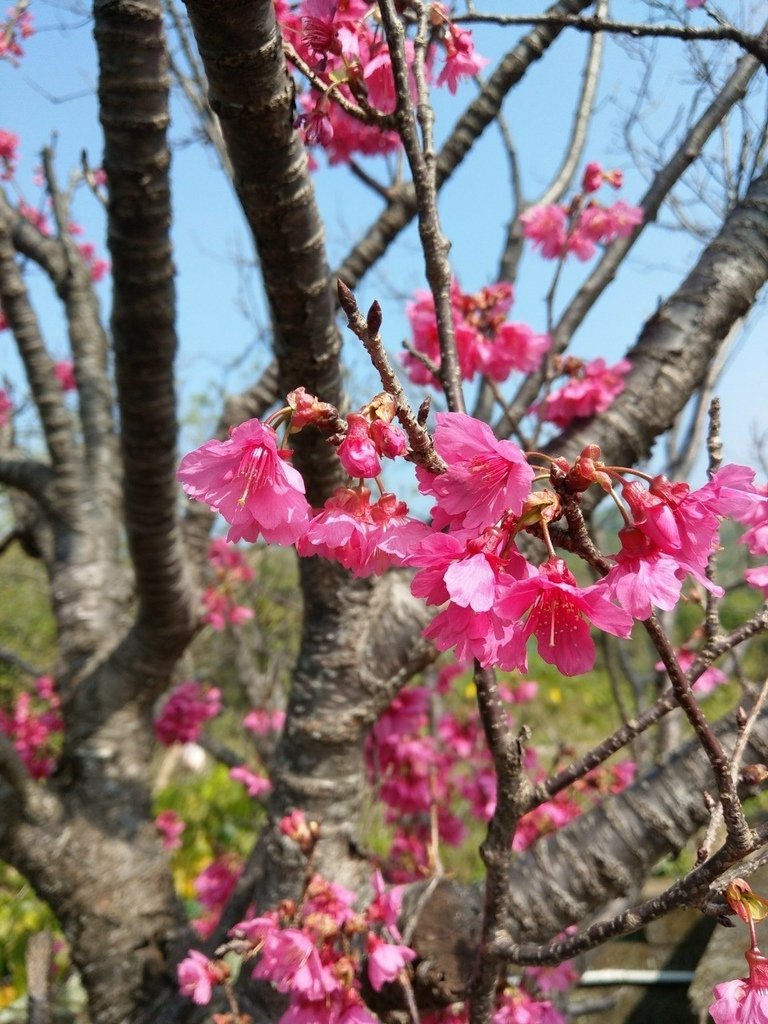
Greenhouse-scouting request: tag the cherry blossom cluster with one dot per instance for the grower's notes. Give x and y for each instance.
(433, 780)
(491, 599)
(16, 26)
(590, 389)
(318, 951)
(9, 144)
(32, 726)
(231, 571)
(585, 223)
(185, 711)
(486, 342)
(342, 46)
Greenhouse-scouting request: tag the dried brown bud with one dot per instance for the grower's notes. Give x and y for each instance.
(374, 318)
(754, 774)
(423, 413)
(346, 298)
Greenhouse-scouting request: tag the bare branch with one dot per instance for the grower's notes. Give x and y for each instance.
(137, 159)
(580, 123)
(755, 45)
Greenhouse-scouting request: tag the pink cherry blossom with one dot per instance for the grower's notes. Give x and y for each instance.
(196, 976)
(558, 614)
(214, 884)
(35, 217)
(515, 347)
(709, 679)
(291, 962)
(593, 177)
(261, 721)
(30, 729)
(607, 223)
(318, 30)
(248, 480)
(644, 576)
(461, 60)
(744, 1001)
(591, 390)
(485, 478)
(553, 979)
(385, 961)
(357, 451)
(758, 578)
(546, 227)
(219, 609)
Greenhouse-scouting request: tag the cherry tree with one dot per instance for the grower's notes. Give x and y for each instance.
(311, 916)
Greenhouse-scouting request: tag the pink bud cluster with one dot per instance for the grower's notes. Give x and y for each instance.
(486, 342)
(32, 726)
(317, 953)
(342, 43)
(585, 223)
(187, 708)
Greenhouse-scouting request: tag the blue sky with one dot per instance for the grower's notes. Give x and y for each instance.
(51, 95)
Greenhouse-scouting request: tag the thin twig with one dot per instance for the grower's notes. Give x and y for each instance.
(512, 788)
(422, 449)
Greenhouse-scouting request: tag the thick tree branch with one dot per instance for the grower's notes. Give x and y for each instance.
(253, 97)
(133, 95)
(38, 365)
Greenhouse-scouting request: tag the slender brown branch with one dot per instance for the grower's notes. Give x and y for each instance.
(690, 890)
(422, 160)
(739, 833)
(512, 788)
(422, 449)
(753, 44)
